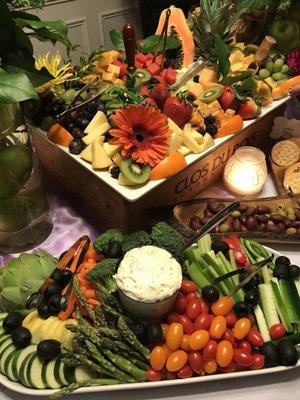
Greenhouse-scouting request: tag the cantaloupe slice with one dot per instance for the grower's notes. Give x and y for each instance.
(178, 23)
(100, 159)
(59, 135)
(169, 166)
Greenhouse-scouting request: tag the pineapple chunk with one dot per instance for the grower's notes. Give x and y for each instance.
(237, 67)
(114, 69)
(86, 154)
(175, 142)
(208, 142)
(208, 75)
(117, 158)
(197, 120)
(184, 150)
(107, 58)
(218, 115)
(236, 56)
(248, 60)
(174, 127)
(203, 109)
(119, 82)
(109, 77)
(189, 140)
(271, 82)
(99, 131)
(99, 119)
(196, 90)
(100, 159)
(227, 115)
(111, 149)
(214, 106)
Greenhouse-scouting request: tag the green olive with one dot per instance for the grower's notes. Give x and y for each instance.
(281, 212)
(290, 210)
(291, 217)
(235, 214)
(291, 231)
(224, 228)
(270, 222)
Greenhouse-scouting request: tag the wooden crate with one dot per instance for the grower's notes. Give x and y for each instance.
(113, 210)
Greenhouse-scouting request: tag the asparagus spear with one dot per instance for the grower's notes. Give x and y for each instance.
(126, 365)
(82, 300)
(91, 364)
(130, 337)
(100, 317)
(84, 383)
(121, 346)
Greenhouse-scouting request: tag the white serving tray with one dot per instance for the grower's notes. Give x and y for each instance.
(134, 193)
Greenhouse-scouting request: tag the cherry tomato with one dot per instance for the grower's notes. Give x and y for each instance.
(231, 367)
(174, 336)
(210, 350)
(185, 372)
(231, 319)
(184, 345)
(191, 296)
(176, 360)
(158, 358)
(277, 331)
(224, 353)
(242, 357)
(153, 375)
(180, 305)
(217, 327)
(198, 339)
(194, 308)
(164, 328)
(196, 361)
(203, 321)
(254, 337)
(171, 375)
(259, 361)
(228, 335)
(181, 294)
(173, 317)
(210, 367)
(188, 286)
(245, 345)
(187, 324)
(204, 307)
(222, 306)
(251, 319)
(241, 328)
(166, 349)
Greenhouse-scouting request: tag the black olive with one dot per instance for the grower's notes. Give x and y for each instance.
(287, 353)
(241, 309)
(114, 249)
(44, 310)
(269, 351)
(21, 337)
(140, 331)
(281, 271)
(62, 276)
(220, 245)
(54, 303)
(154, 334)
(52, 289)
(48, 349)
(282, 260)
(253, 283)
(294, 271)
(12, 321)
(252, 297)
(210, 293)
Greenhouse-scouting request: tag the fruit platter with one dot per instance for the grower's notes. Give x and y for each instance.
(146, 309)
(136, 121)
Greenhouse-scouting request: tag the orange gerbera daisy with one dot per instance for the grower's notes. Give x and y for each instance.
(143, 133)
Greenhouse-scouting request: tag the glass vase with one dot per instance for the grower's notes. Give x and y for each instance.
(25, 219)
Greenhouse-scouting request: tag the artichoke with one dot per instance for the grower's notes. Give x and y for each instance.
(21, 277)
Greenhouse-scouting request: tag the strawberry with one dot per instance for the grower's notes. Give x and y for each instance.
(144, 91)
(151, 103)
(159, 94)
(170, 76)
(249, 109)
(228, 99)
(178, 110)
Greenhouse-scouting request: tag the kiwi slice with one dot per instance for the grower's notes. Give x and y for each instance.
(135, 172)
(211, 94)
(143, 75)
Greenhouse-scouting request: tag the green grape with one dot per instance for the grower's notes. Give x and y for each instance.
(278, 65)
(285, 69)
(269, 66)
(277, 76)
(264, 73)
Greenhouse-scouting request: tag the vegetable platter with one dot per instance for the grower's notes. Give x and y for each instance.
(271, 219)
(230, 309)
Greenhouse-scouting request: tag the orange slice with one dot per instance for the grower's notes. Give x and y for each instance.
(169, 166)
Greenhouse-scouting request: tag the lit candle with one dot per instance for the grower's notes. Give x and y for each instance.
(246, 172)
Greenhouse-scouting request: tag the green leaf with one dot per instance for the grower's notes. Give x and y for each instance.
(155, 43)
(117, 40)
(229, 80)
(223, 53)
(15, 88)
(37, 78)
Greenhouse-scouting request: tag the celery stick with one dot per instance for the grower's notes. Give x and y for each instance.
(226, 264)
(234, 267)
(189, 254)
(268, 304)
(259, 249)
(280, 306)
(204, 244)
(197, 276)
(297, 283)
(211, 260)
(265, 274)
(291, 299)
(261, 322)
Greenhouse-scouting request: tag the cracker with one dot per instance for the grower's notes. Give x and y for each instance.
(285, 153)
(291, 181)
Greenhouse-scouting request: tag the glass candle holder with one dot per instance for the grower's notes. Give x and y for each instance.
(246, 171)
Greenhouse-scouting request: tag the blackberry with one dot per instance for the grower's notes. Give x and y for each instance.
(115, 172)
(92, 107)
(210, 120)
(202, 131)
(211, 129)
(89, 116)
(107, 137)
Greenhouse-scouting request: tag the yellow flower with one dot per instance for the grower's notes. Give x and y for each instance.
(52, 64)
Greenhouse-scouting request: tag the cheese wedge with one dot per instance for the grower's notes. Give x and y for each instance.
(208, 142)
(189, 140)
(184, 150)
(99, 119)
(111, 149)
(99, 131)
(86, 154)
(100, 159)
(197, 136)
(174, 127)
(175, 142)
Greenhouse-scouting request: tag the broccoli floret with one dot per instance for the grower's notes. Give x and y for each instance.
(102, 242)
(168, 238)
(103, 273)
(136, 239)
